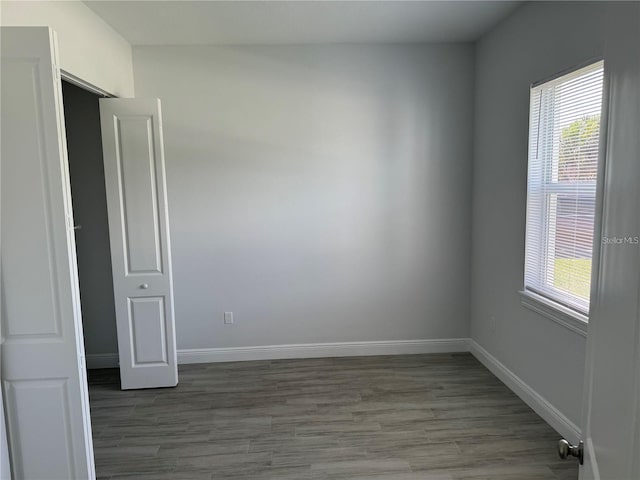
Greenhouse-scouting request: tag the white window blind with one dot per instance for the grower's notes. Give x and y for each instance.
(564, 128)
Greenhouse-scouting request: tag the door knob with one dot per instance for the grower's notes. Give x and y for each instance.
(565, 449)
(144, 286)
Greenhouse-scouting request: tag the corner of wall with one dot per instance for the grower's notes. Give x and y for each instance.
(531, 348)
(89, 48)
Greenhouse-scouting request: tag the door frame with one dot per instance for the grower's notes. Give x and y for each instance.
(88, 87)
(79, 82)
(85, 85)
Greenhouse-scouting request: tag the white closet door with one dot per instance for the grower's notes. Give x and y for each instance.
(43, 373)
(140, 247)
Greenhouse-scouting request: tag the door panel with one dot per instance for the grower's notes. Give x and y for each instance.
(43, 374)
(612, 384)
(139, 200)
(140, 246)
(32, 218)
(40, 411)
(148, 332)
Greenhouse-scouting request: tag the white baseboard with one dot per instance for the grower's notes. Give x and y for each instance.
(538, 404)
(305, 350)
(318, 350)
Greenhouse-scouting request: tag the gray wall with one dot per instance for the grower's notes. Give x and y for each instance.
(537, 41)
(321, 193)
(84, 144)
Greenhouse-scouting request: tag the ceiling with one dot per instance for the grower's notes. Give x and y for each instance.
(300, 22)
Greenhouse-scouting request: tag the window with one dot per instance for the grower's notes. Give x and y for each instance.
(564, 128)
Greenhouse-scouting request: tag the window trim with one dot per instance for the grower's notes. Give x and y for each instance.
(561, 314)
(567, 71)
(570, 316)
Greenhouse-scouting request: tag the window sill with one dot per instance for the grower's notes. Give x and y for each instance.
(560, 314)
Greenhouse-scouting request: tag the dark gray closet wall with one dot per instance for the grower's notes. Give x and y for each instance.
(84, 144)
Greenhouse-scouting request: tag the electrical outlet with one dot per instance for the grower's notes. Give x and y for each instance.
(228, 318)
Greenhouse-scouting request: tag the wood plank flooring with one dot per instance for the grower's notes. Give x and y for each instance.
(410, 417)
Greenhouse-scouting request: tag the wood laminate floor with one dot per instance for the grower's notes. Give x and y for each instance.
(410, 417)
